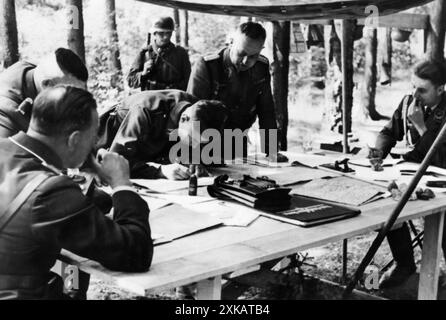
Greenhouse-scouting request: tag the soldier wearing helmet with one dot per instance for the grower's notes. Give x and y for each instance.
(161, 64)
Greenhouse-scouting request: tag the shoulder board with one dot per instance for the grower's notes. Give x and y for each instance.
(263, 59)
(211, 57)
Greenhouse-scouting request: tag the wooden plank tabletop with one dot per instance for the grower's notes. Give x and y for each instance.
(223, 250)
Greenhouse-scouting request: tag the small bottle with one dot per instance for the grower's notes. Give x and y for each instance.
(193, 181)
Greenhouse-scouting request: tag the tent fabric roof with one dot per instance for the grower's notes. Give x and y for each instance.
(292, 9)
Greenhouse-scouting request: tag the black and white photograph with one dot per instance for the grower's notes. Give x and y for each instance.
(222, 158)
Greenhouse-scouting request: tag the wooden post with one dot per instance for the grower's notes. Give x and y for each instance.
(280, 69)
(176, 18)
(369, 86)
(76, 40)
(184, 20)
(347, 39)
(9, 46)
(436, 30)
(112, 30)
(431, 258)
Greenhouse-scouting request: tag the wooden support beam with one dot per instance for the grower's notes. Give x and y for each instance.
(280, 70)
(209, 289)
(347, 34)
(436, 30)
(430, 263)
(398, 20)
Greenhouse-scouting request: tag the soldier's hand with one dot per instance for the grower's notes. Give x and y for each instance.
(112, 168)
(175, 171)
(416, 116)
(148, 67)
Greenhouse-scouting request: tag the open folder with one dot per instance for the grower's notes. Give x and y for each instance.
(308, 212)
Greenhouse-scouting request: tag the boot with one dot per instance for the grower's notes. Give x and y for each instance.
(401, 247)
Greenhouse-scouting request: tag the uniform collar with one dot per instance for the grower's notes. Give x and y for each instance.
(163, 49)
(37, 148)
(175, 115)
(227, 63)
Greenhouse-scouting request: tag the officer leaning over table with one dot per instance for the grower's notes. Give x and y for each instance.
(146, 126)
(239, 76)
(42, 211)
(418, 119)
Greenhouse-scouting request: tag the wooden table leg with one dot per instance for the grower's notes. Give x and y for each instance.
(209, 289)
(430, 263)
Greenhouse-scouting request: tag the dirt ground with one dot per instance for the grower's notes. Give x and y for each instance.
(306, 112)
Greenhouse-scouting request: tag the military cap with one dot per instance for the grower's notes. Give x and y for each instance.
(163, 24)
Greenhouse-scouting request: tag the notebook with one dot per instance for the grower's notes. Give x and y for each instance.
(308, 212)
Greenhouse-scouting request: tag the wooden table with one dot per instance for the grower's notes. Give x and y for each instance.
(203, 258)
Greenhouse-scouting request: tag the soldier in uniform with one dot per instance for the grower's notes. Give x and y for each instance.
(418, 119)
(140, 129)
(239, 77)
(161, 64)
(42, 211)
(20, 84)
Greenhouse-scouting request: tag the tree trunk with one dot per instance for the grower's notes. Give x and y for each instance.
(113, 39)
(386, 57)
(347, 40)
(280, 70)
(333, 86)
(185, 29)
(368, 92)
(9, 47)
(436, 32)
(176, 18)
(76, 39)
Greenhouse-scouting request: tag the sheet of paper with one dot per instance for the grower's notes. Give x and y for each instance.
(364, 162)
(180, 199)
(311, 160)
(340, 189)
(229, 213)
(174, 221)
(164, 185)
(155, 203)
(294, 175)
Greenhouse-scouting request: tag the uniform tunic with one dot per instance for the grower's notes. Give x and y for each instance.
(394, 131)
(171, 69)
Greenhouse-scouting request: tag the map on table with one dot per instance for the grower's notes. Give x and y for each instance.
(342, 190)
(174, 221)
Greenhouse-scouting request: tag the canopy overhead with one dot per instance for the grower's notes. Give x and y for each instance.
(292, 9)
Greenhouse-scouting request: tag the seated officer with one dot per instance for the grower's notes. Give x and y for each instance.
(418, 118)
(42, 212)
(239, 77)
(161, 64)
(141, 130)
(21, 83)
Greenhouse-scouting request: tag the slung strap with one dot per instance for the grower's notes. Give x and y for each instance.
(20, 199)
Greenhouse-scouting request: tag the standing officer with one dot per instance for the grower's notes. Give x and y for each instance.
(160, 65)
(419, 118)
(239, 77)
(42, 212)
(20, 84)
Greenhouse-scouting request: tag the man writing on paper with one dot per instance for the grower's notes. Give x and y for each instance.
(42, 211)
(140, 129)
(418, 119)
